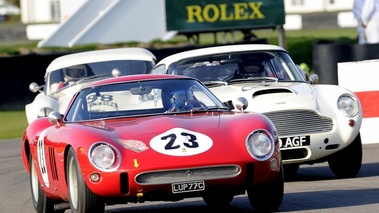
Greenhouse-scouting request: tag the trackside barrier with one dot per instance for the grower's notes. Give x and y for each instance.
(361, 77)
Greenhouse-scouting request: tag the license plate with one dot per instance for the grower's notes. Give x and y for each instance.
(190, 186)
(296, 141)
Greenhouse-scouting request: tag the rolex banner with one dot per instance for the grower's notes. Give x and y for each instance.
(213, 15)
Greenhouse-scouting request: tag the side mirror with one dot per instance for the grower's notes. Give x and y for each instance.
(55, 118)
(313, 79)
(241, 104)
(34, 87)
(116, 72)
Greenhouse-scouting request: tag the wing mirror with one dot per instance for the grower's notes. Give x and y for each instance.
(55, 118)
(241, 103)
(34, 87)
(313, 79)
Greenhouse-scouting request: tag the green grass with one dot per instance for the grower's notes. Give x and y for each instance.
(13, 124)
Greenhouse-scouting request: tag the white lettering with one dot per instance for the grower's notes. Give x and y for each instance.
(294, 141)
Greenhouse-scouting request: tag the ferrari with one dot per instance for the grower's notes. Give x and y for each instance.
(145, 137)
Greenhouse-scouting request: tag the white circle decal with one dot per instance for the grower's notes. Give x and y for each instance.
(181, 142)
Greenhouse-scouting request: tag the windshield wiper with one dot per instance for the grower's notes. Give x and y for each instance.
(215, 83)
(91, 77)
(261, 79)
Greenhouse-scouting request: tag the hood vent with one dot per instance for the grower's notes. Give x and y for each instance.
(271, 91)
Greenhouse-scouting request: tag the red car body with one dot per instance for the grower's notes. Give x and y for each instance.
(203, 151)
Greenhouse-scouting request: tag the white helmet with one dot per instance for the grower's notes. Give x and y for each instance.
(74, 73)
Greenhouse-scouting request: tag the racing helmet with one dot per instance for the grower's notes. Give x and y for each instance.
(176, 97)
(248, 69)
(180, 97)
(74, 73)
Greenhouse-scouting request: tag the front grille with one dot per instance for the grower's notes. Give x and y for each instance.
(204, 173)
(299, 122)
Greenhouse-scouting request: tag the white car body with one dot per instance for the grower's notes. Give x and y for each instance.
(311, 126)
(98, 64)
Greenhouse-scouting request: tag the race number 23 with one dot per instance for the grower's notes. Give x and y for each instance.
(190, 143)
(181, 142)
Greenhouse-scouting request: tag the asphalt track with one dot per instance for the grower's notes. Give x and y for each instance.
(315, 189)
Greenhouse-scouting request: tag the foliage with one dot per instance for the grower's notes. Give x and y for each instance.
(14, 2)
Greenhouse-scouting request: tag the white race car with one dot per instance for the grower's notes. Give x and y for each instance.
(67, 74)
(316, 122)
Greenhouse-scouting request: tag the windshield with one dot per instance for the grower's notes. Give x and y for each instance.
(72, 75)
(239, 66)
(142, 98)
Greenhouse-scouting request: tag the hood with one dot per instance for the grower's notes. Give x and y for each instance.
(264, 97)
(165, 133)
(158, 124)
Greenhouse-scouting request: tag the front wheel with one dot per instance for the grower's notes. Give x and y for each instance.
(290, 171)
(267, 197)
(81, 198)
(347, 162)
(41, 203)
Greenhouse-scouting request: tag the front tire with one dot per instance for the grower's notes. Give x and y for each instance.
(347, 162)
(82, 200)
(290, 171)
(41, 203)
(267, 197)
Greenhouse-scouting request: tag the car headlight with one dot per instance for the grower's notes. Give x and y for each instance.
(347, 105)
(260, 145)
(44, 112)
(104, 156)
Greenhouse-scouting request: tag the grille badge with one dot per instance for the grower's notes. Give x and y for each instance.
(188, 173)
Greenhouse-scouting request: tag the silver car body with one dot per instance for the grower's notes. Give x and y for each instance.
(314, 121)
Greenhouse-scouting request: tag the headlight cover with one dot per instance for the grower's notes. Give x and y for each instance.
(347, 105)
(104, 156)
(260, 144)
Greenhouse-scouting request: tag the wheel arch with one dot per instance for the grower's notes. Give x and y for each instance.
(26, 154)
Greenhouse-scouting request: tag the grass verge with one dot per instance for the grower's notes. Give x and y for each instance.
(13, 124)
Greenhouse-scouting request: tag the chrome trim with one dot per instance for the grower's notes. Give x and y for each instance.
(187, 174)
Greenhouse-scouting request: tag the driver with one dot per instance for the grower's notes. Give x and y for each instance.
(248, 70)
(74, 73)
(181, 100)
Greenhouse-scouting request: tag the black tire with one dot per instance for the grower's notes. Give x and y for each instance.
(41, 203)
(82, 200)
(267, 197)
(347, 162)
(218, 200)
(290, 170)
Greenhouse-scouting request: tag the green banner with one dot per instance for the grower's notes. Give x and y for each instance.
(213, 15)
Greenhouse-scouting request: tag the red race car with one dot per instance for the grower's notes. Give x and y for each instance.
(148, 137)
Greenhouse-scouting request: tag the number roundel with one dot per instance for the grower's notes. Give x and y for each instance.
(181, 142)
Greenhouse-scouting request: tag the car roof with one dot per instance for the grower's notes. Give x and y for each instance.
(219, 49)
(127, 53)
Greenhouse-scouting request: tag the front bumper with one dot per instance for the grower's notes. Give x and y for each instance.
(307, 136)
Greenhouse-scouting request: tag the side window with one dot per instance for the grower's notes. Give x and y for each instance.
(54, 81)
